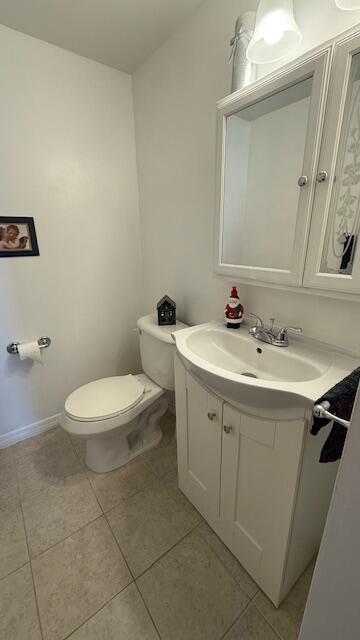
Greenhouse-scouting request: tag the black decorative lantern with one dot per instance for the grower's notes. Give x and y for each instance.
(166, 309)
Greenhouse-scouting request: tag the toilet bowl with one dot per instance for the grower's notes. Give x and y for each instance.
(119, 416)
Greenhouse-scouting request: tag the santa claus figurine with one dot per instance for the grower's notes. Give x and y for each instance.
(234, 310)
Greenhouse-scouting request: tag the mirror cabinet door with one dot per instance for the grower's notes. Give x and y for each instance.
(267, 161)
(333, 257)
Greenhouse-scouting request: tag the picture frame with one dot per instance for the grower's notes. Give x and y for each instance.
(18, 237)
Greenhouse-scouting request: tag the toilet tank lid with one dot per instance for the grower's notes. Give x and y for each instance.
(164, 332)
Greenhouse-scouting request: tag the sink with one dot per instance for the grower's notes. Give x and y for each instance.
(240, 368)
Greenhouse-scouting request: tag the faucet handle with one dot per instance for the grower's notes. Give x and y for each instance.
(259, 321)
(282, 336)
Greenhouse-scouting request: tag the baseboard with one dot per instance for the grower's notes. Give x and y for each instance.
(17, 435)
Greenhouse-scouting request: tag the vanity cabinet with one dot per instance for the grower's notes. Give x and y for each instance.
(287, 179)
(256, 481)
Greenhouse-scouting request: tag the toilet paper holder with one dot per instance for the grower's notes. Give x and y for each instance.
(43, 342)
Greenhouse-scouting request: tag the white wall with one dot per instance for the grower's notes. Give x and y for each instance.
(175, 95)
(67, 158)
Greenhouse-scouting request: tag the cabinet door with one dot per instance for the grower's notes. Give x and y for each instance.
(260, 466)
(268, 144)
(199, 424)
(333, 260)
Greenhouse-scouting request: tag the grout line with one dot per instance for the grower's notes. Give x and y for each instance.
(118, 545)
(148, 610)
(236, 620)
(32, 574)
(251, 598)
(14, 570)
(277, 633)
(132, 575)
(66, 538)
(97, 611)
(37, 555)
(167, 551)
(49, 486)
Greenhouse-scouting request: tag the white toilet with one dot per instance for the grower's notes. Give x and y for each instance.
(119, 416)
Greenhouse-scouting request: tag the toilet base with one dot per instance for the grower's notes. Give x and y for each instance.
(112, 451)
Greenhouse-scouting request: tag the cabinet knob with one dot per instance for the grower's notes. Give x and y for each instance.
(211, 415)
(322, 176)
(227, 428)
(302, 181)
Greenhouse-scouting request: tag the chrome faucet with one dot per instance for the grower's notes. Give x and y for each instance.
(278, 338)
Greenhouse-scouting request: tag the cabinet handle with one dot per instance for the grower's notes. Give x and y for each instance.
(211, 415)
(227, 428)
(322, 176)
(303, 180)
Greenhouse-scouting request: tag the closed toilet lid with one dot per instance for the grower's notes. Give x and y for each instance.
(104, 398)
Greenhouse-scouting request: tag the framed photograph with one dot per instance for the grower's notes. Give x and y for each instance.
(17, 237)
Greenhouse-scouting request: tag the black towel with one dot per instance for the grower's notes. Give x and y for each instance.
(341, 398)
(348, 257)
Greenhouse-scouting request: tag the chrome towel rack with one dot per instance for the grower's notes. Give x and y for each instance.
(321, 411)
(43, 342)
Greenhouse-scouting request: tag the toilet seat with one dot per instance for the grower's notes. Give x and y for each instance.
(104, 398)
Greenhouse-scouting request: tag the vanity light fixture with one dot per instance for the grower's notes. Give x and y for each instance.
(276, 32)
(348, 5)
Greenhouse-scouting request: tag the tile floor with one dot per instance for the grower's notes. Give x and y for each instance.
(120, 556)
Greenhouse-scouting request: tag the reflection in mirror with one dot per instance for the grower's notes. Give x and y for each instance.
(264, 155)
(344, 220)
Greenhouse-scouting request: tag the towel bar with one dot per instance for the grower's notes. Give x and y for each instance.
(321, 411)
(43, 342)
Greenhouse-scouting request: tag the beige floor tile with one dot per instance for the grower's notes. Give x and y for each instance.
(13, 547)
(162, 459)
(190, 594)
(168, 426)
(251, 626)
(171, 479)
(9, 492)
(59, 511)
(150, 523)
(27, 446)
(6, 455)
(229, 561)
(80, 447)
(114, 487)
(124, 618)
(288, 617)
(30, 445)
(51, 461)
(18, 615)
(77, 577)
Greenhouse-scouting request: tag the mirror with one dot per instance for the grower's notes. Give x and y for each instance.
(264, 158)
(343, 226)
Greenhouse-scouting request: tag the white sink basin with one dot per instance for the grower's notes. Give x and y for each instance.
(244, 370)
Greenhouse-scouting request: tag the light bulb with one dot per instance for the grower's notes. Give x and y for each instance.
(276, 33)
(273, 27)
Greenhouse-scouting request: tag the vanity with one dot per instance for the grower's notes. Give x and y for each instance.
(246, 458)
(287, 216)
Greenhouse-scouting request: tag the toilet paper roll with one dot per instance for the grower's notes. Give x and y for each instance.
(30, 351)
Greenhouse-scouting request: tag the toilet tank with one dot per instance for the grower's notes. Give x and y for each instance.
(157, 348)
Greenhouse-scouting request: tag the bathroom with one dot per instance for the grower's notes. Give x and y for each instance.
(108, 142)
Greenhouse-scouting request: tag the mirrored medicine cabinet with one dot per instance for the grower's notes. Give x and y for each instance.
(288, 174)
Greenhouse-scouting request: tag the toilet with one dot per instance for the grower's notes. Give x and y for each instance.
(119, 416)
